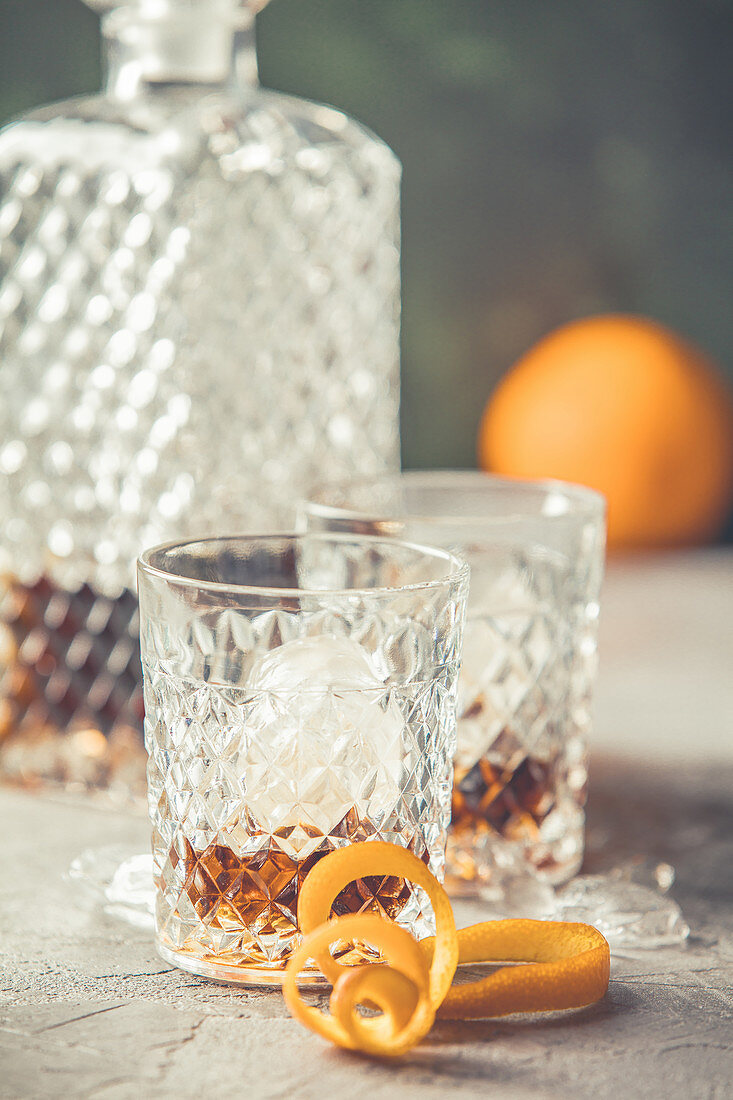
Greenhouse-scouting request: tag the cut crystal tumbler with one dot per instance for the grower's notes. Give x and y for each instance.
(529, 657)
(299, 696)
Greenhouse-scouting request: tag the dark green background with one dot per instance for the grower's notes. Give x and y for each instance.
(560, 157)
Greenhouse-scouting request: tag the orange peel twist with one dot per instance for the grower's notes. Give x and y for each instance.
(565, 965)
(407, 976)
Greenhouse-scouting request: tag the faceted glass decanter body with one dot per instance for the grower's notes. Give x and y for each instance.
(199, 295)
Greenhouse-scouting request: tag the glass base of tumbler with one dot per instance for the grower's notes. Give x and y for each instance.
(480, 863)
(517, 819)
(235, 975)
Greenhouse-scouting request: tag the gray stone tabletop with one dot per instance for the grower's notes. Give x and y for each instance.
(87, 1009)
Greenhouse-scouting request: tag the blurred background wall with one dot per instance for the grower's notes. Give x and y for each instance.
(561, 157)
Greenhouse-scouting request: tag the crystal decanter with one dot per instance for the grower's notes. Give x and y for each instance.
(199, 313)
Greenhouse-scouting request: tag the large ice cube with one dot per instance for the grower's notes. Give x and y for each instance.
(324, 736)
(631, 916)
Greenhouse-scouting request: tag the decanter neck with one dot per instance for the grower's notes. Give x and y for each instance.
(146, 47)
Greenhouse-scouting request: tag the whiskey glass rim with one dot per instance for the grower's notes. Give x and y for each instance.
(456, 570)
(568, 501)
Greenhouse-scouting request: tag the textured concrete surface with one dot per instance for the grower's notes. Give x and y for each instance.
(88, 1010)
(665, 685)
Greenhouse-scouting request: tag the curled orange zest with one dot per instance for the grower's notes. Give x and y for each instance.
(399, 987)
(331, 874)
(566, 965)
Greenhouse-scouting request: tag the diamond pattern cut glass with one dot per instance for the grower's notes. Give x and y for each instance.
(299, 696)
(536, 557)
(199, 313)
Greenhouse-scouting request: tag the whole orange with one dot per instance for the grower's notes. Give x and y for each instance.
(630, 408)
